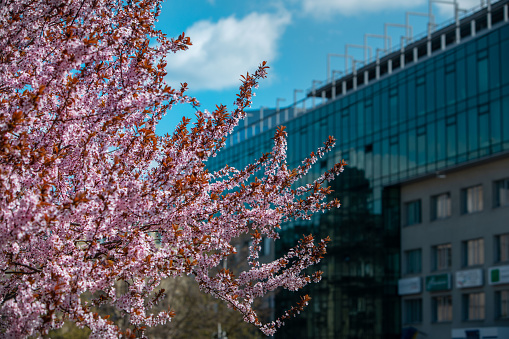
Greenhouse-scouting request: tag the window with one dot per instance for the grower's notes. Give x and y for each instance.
(413, 311)
(413, 212)
(442, 309)
(473, 306)
(473, 252)
(502, 304)
(501, 193)
(413, 261)
(502, 247)
(472, 199)
(442, 257)
(440, 206)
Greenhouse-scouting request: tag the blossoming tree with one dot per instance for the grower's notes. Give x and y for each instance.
(86, 184)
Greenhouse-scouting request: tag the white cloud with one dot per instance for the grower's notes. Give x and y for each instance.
(224, 50)
(326, 8)
(448, 10)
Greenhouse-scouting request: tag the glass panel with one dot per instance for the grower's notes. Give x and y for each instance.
(441, 154)
(502, 242)
(421, 99)
(443, 257)
(442, 206)
(413, 212)
(394, 166)
(411, 110)
(484, 130)
(413, 261)
(505, 117)
(494, 65)
(450, 87)
(353, 123)
(421, 146)
(461, 87)
(501, 193)
(384, 99)
(412, 151)
(495, 122)
(503, 302)
(369, 119)
(431, 136)
(393, 106)
(482, 74)
(385, 157)
(472, 75)
(504, 55)
(413, 311)
(402, 93)
(430, 90)
(443, 308)
(473, 136)
(473, 199)
(451, 140)
(461, 121)
(377, 112)
(345, 124)
(440, 90)
(403, 158)
(476, 306)
(475, 252)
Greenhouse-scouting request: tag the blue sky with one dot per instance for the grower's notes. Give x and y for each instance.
(232, 37)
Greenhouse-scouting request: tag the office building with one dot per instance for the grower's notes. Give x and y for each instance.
(422, 239)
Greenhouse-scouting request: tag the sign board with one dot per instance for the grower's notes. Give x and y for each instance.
(498, 275)
(409, 286)
(438, 282)
(469, 278)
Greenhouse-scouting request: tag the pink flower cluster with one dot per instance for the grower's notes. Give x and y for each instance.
(90, 195)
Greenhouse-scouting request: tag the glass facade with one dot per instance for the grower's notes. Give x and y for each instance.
(440, 112)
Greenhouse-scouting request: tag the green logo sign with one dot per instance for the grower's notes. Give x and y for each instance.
(438, 282)
(495, 275)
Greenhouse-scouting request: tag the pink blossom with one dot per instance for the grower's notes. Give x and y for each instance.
(87, 186)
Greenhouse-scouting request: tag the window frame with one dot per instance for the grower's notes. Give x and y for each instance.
(497, 197)
(477, 199)
(501, 248)
(409, 268)
(478, 256)
(470, 308)
(435, 206)
(502, 304)
(418, 216)
(437, 301)
(411, 306)
(436, 250)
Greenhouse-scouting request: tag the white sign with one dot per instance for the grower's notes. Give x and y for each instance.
(409, 286)
(469, 278)
(498, 275)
